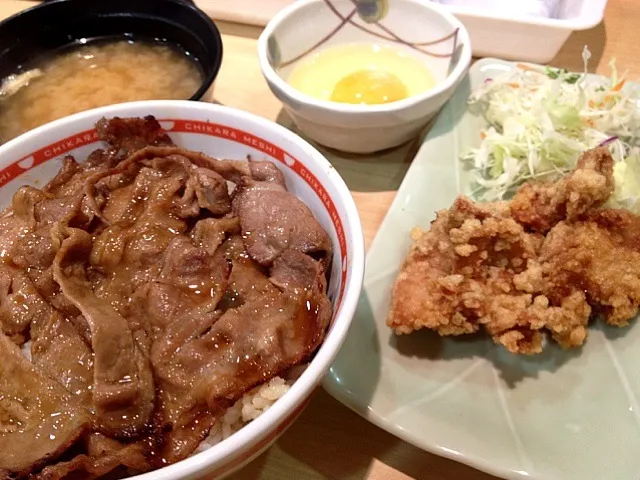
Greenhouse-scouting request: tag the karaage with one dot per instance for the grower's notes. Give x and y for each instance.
(542, 262)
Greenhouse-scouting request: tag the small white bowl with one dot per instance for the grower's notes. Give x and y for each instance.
(35, 157)
(364, 128)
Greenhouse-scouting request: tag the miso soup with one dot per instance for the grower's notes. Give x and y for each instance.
(92, 75)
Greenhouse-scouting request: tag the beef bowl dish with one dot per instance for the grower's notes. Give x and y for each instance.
(175, 280)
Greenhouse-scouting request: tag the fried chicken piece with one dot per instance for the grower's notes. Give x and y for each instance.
(541, 262)
(491, 267)
(600, 256)
(476, 268)
(540, 205)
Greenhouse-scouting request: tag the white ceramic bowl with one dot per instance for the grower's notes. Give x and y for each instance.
(364, 128)
(35, 157)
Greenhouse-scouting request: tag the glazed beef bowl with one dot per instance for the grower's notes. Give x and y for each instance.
(176, 279)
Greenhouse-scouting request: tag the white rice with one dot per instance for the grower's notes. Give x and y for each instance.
(253, 404)
(26, 349)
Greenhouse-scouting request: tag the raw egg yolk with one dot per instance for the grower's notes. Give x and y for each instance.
(369, 87)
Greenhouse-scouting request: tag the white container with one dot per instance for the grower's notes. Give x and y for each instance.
(531, 39)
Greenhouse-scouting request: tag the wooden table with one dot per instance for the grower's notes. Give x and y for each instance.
(329, 441)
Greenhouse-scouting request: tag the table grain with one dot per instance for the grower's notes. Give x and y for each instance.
(329, 441)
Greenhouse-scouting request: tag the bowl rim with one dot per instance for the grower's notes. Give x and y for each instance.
(280, 84)
(217, 45)
(237, 444)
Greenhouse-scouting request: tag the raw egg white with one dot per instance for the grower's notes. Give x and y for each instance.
(361, 73)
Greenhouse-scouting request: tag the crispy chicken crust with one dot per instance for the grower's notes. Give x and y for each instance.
(540, 205)
(543, 262)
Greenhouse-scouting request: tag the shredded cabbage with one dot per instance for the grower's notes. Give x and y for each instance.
(626, 194)
(541, 119)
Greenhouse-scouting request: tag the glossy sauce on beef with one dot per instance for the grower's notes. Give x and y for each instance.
(154, 297)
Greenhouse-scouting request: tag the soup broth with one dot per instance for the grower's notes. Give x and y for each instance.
(94, 75)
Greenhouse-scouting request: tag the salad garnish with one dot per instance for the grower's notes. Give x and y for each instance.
(540, 119)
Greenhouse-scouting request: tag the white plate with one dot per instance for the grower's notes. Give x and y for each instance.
(561, 415)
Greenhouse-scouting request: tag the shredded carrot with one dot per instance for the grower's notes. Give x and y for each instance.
(618, 86)
(523, 66)
(592, 104)
(513, 85)
(483, 135)
(590, 122)
(607, 98)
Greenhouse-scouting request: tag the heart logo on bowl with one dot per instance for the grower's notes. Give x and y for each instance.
(26, 163)
(289, 161)
(167, 126)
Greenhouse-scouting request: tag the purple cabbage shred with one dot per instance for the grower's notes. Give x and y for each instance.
(608, 141)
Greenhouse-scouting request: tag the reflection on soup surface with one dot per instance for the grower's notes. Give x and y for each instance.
(94, 75)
